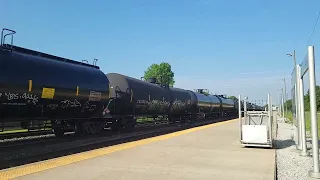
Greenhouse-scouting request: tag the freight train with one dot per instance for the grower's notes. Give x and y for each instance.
(36, 87)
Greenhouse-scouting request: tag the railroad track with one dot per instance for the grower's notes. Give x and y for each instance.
(19, 154)
(21, 136)
(24, 134)
(16, 143)
(32, 136)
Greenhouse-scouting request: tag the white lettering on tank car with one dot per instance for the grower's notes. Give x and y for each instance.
(94, 96)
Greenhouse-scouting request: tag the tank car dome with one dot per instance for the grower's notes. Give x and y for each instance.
(152, 80)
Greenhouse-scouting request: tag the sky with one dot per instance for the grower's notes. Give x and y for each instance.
(229, 47)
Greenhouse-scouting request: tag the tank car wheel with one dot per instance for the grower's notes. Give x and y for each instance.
(92, 128)
(194, 117)
(129, 126)
(25, 125)
(183, 120)
(58, 132)
(115, 126)
(95, 128)
(170, 120)
(79, 129)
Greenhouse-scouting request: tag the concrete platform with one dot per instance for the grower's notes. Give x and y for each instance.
(214, 152)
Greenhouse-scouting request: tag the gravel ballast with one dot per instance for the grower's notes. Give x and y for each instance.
(290, 165)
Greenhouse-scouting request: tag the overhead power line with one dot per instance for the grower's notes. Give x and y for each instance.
(314, 27)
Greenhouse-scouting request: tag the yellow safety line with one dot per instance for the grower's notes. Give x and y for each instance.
(69, 159)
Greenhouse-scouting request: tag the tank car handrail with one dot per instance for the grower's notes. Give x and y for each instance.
(95, 62)
(129, 90)
(3, 37)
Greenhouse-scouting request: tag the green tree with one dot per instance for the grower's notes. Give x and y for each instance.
(307, 99)
(233, 98)
(288, 104)
(206, 93)
(162, 72)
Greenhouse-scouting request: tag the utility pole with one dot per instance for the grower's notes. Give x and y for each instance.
(285, 94)
(280, 104)
(296, 85)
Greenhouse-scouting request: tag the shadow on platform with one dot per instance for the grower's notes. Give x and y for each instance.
(282, 144)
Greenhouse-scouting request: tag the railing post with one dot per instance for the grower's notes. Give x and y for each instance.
(299, 146)
(304, 151)
(313, 110)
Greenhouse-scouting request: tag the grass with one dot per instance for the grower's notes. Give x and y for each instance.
(20, 131)
(14, 131)
(307, 117)
(144, 120)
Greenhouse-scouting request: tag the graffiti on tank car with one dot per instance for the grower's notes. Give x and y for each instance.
(85, 106)
(75, 103)
(70, 104)
(11, 96)
(142, 102)
(88, 106)
(94, 96)
(154, 105)
(178, 105)
(31, 98)
(65, 103)
(92, 107)
(52, 106)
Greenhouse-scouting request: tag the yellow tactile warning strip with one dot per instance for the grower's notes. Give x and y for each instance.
(52, 163)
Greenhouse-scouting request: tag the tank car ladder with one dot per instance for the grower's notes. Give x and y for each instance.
(256, 126)
(3, 37)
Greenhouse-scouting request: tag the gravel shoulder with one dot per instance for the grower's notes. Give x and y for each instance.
(290, 165)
